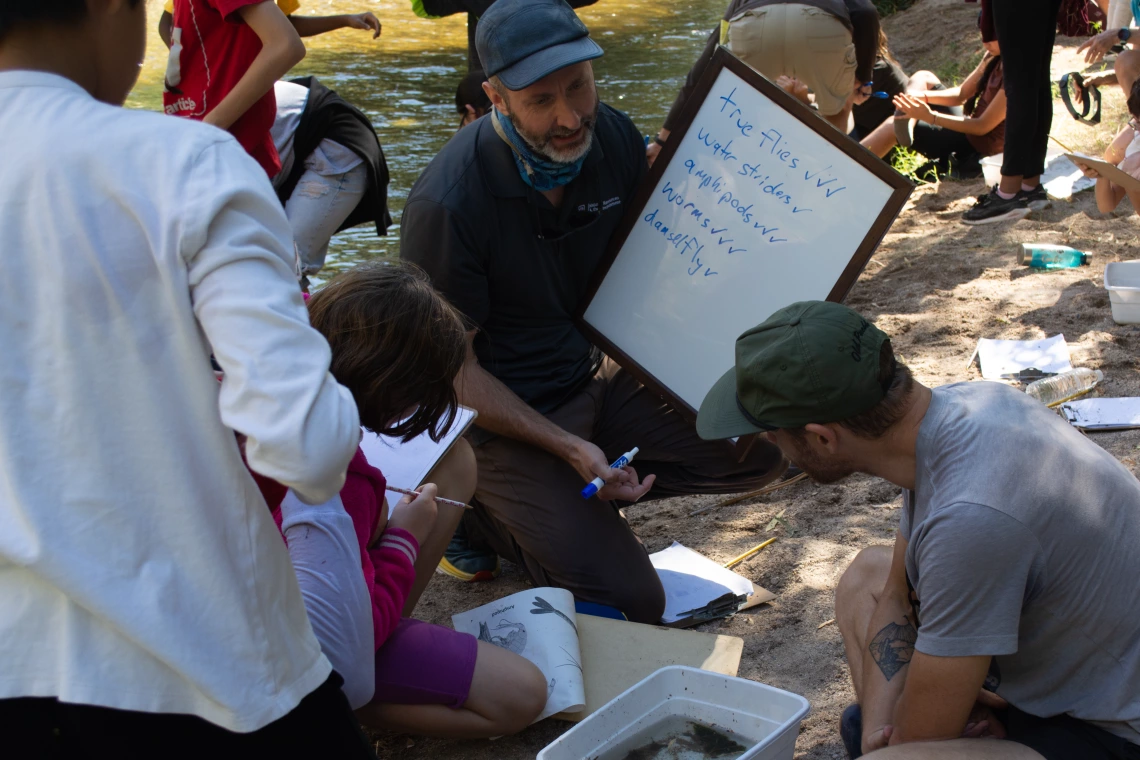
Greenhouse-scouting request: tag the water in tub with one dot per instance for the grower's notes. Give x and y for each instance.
(679, 738)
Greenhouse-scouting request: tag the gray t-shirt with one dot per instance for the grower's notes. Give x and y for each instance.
(1024, 543)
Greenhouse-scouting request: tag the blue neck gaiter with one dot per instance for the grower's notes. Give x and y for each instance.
(540, 173)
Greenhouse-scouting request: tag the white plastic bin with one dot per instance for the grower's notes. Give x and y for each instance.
(757, 712)
(1122, 281)
(991, 169)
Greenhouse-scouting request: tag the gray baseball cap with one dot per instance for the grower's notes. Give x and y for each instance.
(522, 41)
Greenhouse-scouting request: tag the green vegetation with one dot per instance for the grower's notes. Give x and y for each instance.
(912, 165)
(887, 7)
(952, 72)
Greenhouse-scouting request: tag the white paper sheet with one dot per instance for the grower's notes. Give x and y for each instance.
(1103, 413)
(1062, 178)
(692, 580)
(1005, 358)
(539, 624)
(407, 464)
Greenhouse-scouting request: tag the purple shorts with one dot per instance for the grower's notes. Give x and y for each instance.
(425, 664)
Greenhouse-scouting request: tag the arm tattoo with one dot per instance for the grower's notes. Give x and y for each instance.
(893, 647)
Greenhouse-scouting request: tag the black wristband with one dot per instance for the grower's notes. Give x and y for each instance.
(659, 141)
(1123, 34)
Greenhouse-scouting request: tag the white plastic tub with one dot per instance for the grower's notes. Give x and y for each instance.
(1122, 281)
(991, 169)
(752, 711)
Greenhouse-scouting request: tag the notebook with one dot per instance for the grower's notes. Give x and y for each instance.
(587, 660)
(406, 465)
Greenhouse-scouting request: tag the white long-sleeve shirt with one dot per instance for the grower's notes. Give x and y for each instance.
(139, 566)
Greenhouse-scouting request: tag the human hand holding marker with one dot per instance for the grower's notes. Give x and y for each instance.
(618, 481)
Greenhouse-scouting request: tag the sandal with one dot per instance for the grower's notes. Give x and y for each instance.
(1086, 101)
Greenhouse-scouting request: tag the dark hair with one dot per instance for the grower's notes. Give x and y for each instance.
(898, 382)
(972, 103)
(396, 344)
(470, 91)
(1134, 99)
(884, 50)
(13, 13)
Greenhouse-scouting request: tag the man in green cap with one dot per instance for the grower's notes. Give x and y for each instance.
(1015, 563)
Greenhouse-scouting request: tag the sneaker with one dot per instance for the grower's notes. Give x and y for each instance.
(904, 131)
(462, 561)
(1037, 199)
(991, 208)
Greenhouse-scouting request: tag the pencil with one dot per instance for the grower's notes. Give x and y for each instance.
(440, 499)
(1066, 147)
(734, 562)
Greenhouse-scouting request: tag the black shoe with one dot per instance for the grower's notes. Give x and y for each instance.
(851, 731)
(991, 208)
(1037, 199)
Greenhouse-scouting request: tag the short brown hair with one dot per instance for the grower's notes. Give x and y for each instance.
(898, 384)
(1134, 99)
(396, 344)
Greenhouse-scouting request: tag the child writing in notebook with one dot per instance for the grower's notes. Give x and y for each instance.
(397, 345)
(1124, 152)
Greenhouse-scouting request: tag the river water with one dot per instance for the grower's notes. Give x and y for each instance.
(405, 80)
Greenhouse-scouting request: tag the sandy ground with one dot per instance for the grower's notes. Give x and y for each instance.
(935, 286)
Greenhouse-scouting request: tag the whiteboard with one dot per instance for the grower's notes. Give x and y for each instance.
(754, 210)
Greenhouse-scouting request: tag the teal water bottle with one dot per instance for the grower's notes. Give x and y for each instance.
(1049, 256)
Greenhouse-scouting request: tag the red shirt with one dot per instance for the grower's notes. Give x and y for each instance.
(216, 49)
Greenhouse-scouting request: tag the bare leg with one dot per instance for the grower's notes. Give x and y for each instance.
(881, 140)
(842, 120)
(921, 81)
(455, 475)
(957, 749)
(1011, 185)
(1127, 69)
(507, 694)
(856, 597)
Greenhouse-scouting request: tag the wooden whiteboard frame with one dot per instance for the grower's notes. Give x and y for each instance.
(723, 59)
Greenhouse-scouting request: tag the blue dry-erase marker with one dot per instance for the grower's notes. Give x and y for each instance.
(593, 486)
(881, 95)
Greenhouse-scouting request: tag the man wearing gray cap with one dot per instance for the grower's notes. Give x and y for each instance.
(510, 220)
(1015, 563)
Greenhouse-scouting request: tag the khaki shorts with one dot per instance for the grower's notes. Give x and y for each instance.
(799, 41)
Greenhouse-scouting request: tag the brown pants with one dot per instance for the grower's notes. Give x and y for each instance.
(530, 510)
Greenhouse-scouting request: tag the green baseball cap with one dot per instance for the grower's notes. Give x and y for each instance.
(813, 361)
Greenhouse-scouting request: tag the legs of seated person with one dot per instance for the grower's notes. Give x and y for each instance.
(1127, 69)
(319, 205)
(958, 749)
(530, 509)
(856, 596)
(436, 682)
(881, 139)
(456, 475)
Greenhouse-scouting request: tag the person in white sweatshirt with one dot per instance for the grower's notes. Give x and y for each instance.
(146, 596)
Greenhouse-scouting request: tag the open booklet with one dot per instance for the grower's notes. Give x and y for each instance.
(539, 624)
(588, 660)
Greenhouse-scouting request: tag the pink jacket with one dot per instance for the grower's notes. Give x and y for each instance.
(389, 566)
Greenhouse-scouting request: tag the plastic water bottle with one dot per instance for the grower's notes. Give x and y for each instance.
(1051, 391)
(1048, 256)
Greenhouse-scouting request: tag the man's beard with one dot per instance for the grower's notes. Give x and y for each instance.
(819, 471)
(543, 146)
